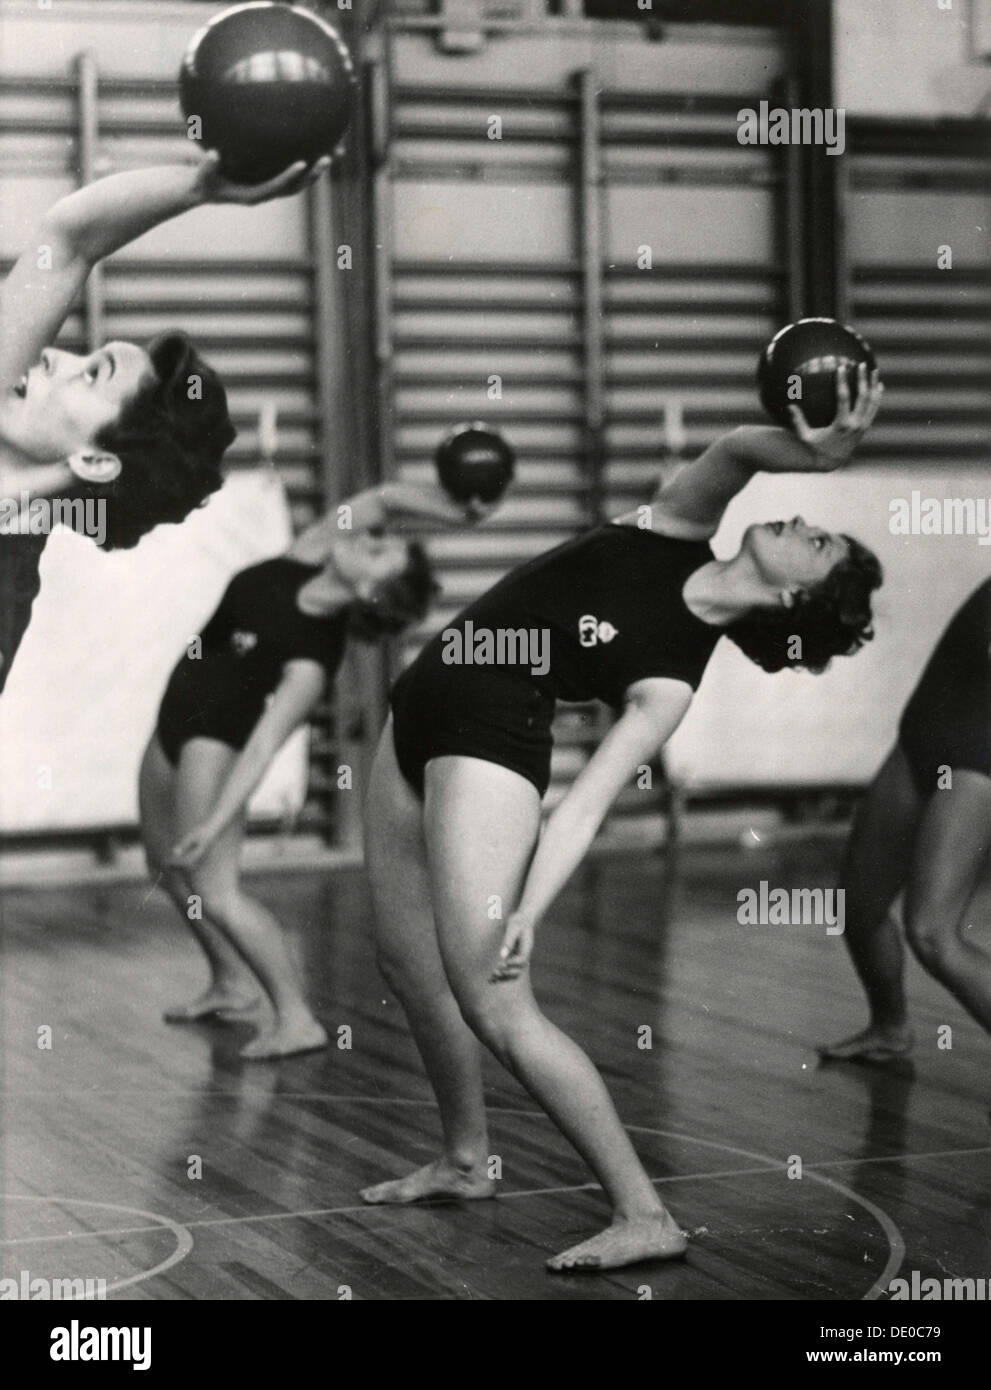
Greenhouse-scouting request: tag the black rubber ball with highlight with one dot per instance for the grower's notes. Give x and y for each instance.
(475, 462)
(271, 85)
(799, 366)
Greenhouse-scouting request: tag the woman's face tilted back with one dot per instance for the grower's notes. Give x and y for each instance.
(792, 554)
(363, 561)
(65, 400)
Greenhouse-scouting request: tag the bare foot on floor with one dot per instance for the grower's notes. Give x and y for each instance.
(625, 1242)
(226, 1005)
(874, 1044)
(284, 1040)
(438, 1179)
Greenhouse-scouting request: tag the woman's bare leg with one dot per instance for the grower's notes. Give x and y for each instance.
(951, 852)
(233, 990)
(481, 823)
(409, 958)
(246, 923)
(875, 869)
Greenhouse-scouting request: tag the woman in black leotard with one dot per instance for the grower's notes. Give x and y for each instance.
(256, 672)
(925, 827)
(461, 875)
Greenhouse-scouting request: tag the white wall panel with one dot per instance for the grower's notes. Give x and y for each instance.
(106, 630)
(906, 58)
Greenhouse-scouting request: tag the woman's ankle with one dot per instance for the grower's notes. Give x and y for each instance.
(467, 1158)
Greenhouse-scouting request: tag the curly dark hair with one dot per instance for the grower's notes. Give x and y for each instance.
(170, 439)
(397, 602)
(833, 618)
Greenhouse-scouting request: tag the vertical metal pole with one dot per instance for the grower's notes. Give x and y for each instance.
(379, 156)
(812, 33)
(334, 400)
(793, 230)
(345, 308)
(353, 226)
(326, 317)
(590, 237)
(841, 192)
(87, 78)
(368, 152)
(374, 456)
(382, 234)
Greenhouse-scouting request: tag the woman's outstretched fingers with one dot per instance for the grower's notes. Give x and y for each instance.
(290, 181)
(871, 398)
(869, 393)
(858, 415)
(802, 427)
(843, 418)
(833, 444)
(318, 170)
(283, 185)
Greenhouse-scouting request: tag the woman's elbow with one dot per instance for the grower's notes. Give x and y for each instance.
(55, 232)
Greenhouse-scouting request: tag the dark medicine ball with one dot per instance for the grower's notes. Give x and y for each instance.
(475, 462)
(799, 366)
(271, 85)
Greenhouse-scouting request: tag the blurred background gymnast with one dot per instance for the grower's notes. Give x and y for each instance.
(259, 669)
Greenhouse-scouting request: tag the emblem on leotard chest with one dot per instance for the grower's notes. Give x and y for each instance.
(591, 631)
(243, 642)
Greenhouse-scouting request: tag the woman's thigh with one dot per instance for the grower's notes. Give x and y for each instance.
(951, 852)
(396, 862)
(482, 823)
(879, 852)
(204, 764)
(157, 787)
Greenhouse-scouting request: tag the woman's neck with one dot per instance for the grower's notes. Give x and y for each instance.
(311, 548)
(723, 590)
(323, 595)
(22, 478)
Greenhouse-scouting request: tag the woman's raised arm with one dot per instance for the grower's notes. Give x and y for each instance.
(692, 502)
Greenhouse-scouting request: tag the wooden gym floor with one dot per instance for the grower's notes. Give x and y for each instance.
(100, 1130)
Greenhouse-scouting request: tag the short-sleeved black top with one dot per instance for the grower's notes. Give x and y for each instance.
(20, 558)
(589, 619)
(611, 602)
(256, 630)
(259, 623)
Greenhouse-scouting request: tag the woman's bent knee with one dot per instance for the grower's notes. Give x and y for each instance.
(934, 946)
(219, 904)
(498, 1018)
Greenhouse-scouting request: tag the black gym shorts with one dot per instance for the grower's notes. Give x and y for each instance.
(490, 712)
(208, 698)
